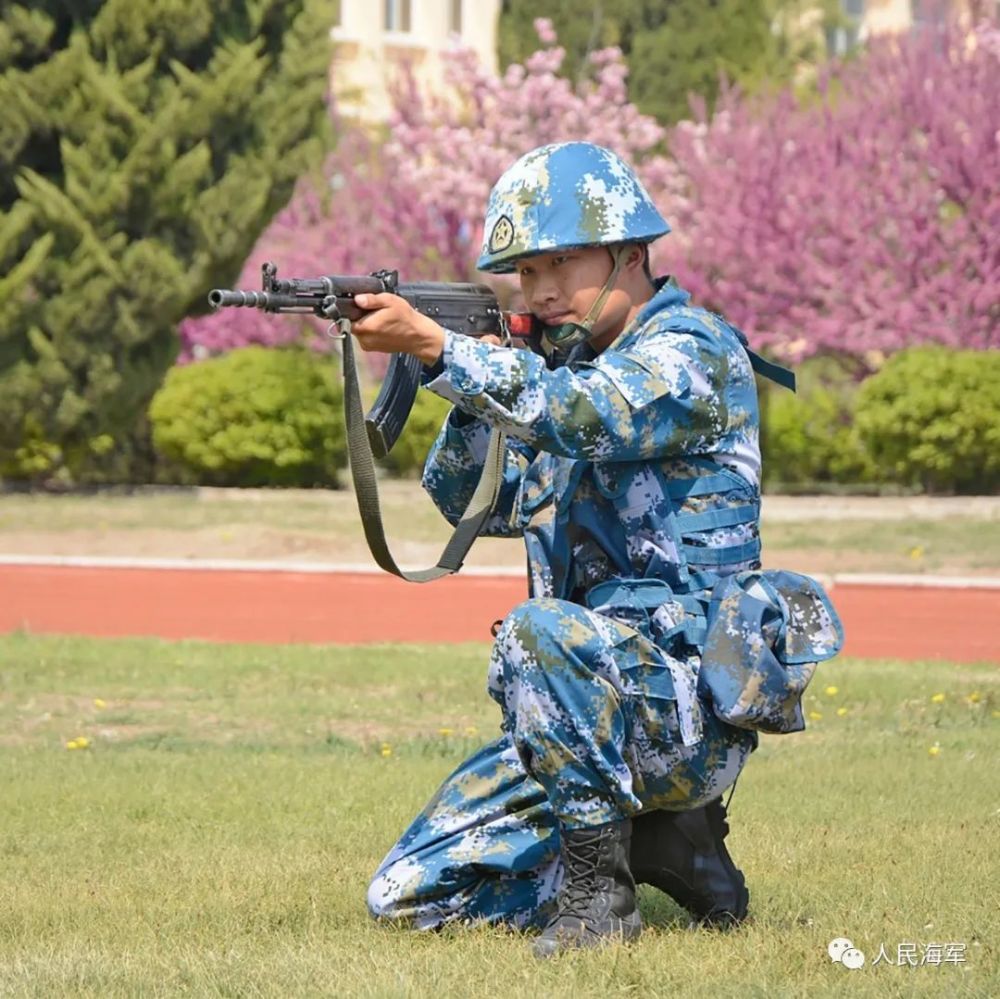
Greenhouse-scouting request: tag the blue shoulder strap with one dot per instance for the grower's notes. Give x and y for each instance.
(775, 372)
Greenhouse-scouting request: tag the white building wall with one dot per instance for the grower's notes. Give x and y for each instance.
(883, 16)
(367, 53)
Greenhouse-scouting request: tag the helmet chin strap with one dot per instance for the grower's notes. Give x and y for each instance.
(565, 336)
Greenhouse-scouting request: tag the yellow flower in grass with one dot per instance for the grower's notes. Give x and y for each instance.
(80, 742)
(831, 691)
(975, 697)
(386, 749)
(917, 552)
(935, 750)
(100, 703)
(446, 732)
(937, 699)
(815, 716)
(471, 730)
(841, 712)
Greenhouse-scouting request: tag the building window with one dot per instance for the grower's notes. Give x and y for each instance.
(455, 21)
(841, 38)
(397, 15)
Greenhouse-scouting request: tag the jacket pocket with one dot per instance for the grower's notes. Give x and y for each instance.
(659, 677)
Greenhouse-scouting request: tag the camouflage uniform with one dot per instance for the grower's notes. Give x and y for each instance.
(652, 648)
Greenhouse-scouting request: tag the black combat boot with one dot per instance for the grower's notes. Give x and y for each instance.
(684, 854)
(596, 902)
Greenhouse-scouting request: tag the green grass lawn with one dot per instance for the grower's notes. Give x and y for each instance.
(215, 833)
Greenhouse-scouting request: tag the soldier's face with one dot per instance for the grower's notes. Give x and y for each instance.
(561, 287)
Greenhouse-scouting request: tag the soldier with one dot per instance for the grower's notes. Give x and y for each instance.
(634, 680)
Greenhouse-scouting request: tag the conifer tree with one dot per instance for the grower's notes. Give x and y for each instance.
(144, 145)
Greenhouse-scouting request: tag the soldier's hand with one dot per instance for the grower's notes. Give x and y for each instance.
(391, 325)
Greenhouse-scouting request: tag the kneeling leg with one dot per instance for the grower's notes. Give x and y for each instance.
(484, 848)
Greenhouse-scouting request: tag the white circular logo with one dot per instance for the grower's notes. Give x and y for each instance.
(837, 947)
(853, 959)
(842, 951)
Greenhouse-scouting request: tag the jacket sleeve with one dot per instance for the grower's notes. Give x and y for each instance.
(663, 395)
(455, 463)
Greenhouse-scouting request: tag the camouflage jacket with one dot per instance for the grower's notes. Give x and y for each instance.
(633, 477)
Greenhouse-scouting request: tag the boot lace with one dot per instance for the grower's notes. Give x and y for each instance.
(581, 857)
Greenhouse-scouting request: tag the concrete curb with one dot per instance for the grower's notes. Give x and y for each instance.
(228, 565)
(924, 582)
(367, 568)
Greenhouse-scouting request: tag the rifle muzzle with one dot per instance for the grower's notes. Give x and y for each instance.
(219, 297)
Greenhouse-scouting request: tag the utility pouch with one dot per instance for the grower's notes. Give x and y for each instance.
(766, 633)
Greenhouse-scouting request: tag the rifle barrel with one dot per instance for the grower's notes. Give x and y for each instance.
(268, 301)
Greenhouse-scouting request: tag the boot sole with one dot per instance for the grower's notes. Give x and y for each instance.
(628, 929)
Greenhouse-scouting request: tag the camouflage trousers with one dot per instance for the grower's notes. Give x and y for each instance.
(599, 724)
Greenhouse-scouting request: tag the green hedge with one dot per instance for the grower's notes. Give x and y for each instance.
(929, 420)
(253, 417)
(931, 417)
(808, 438)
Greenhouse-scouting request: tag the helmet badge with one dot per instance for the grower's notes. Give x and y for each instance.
(502, 235)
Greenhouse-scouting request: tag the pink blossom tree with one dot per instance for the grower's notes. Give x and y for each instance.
(861, 224)
(856, 223)
(415, 202)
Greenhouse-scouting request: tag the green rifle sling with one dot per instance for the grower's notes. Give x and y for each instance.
(476, 514)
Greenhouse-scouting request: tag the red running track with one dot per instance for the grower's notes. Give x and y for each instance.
(958, 625)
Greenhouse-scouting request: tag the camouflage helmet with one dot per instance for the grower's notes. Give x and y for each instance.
(565, 195)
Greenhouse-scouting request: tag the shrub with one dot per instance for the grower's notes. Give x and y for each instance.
(931, 417)
(809, 438)
(253, 417)
(422, 426)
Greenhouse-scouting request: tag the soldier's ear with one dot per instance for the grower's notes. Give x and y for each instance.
(636, 256)
(647, 267)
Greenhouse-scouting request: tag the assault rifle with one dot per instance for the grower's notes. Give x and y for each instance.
(470, 309)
